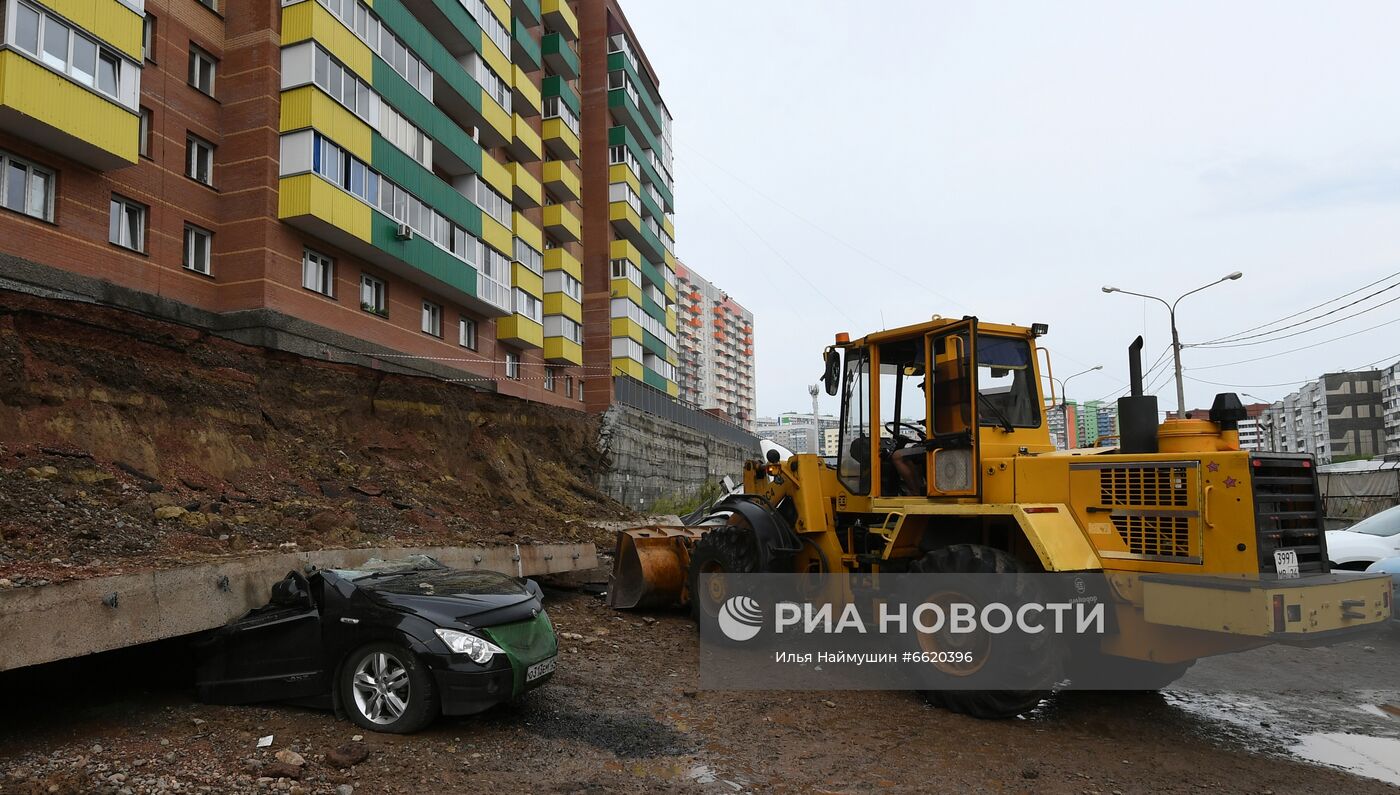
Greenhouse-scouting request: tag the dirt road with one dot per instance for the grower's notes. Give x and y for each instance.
(623, 714)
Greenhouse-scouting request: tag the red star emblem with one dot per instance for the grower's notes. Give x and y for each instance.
(1230, 483)
(1213, 466)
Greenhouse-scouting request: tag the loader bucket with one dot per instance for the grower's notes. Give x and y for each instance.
(650, 565)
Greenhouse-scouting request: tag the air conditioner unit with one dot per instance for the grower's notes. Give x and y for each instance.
(403, 232)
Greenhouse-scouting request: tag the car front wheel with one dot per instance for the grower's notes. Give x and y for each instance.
(386, 688)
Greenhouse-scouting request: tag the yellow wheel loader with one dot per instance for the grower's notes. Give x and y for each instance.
(1209, 548)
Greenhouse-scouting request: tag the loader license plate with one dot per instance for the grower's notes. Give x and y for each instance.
(542, 668)
(1286, 563)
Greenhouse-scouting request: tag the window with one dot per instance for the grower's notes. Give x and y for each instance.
(432, 319)
(69, 52)
(513, 366)
(199, 159)
(148, 38)
(580, 390)
(557, 108)
(127, 227)
(26, 187)
(202, 66)
(212, 5)
(526, 255)
(568, 386)
(373, 295)
(560, 326)
(198, 242)
(317, 272)
(144, 144)
(528, 305)
(561, 282)
(466, 333)
(549, 379)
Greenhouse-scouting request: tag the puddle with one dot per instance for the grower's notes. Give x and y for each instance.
(1373, 757)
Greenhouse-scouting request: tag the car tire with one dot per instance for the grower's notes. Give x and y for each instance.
(384, 687)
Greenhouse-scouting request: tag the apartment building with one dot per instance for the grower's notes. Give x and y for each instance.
(1340, 416)
(1390, 408)
(715, 340)
(628, 197)
(400, 179)
(1251, 435)
(1062, 422)
(794, 431)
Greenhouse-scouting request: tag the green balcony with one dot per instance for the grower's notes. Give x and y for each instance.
(560, 56)
(526, 10)
(556, 86)
(524, 50)
(649, 98)
(622, 136)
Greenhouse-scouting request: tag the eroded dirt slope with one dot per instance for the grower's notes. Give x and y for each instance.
(130, 442)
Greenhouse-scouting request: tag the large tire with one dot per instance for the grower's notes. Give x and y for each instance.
(728, 549)
(386, 688)
(1040, 662)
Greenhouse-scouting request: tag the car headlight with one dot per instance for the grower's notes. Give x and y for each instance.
(478, 649)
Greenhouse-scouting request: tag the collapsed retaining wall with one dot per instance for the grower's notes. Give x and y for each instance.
(650, 458)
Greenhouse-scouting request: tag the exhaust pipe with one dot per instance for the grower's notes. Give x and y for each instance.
(1137, 413)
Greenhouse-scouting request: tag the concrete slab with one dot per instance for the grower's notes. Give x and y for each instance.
(70, 619)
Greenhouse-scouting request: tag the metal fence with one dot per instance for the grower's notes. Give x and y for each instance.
(640, 396)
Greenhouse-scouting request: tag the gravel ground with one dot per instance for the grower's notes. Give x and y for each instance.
(624, 714)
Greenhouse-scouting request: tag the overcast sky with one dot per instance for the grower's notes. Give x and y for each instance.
(844, 167)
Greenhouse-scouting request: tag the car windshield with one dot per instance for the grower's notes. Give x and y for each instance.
(1385, 523)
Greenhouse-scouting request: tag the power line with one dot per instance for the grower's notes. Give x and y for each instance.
(1229, 337)
(1391, 358)
(1295, 350)
(1304, 331)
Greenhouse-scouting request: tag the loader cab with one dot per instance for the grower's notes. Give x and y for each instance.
(923, 406)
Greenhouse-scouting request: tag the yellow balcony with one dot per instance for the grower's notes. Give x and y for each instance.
(528, 190)
(41, 105)
(109, 20)
(626, 288)
(496, 175)
(526, 98)
(626, 220)
(561, 350)
(562, 142)
(496, 235)
(561, 181)
(673, 389)
(528, 280)
(622, 249)
(561, 304)
(668, 226)
(559, 18)
(626, 327)
(303, 21)
(308, 106)
(629, 367)
(525, 144)
(561, 223)
(621, 173)
(312, 204)
(558, 259)
(521, 331)
(527, 231)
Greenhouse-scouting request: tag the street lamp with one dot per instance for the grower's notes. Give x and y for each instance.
(1176, 339)
(1064, 383)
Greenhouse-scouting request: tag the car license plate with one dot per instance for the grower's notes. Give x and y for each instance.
(542, 668)
(1286, 563)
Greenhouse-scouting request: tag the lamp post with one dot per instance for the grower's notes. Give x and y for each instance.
(1064, 383)
(1176, 339)
(1064, 396)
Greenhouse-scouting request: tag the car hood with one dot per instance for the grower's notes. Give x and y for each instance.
(450, 597)
(1344, 546)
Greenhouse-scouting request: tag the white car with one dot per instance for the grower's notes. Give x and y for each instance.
(1369, 540)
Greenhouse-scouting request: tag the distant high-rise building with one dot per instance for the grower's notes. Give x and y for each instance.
(793, 430)
(1062, 422)
(715, 339)
(1250, 434)
(1338, 416)
(1390, 407)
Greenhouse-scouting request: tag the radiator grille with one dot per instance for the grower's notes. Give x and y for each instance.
(1148, 487)
(1157, 536)
(1288, 511)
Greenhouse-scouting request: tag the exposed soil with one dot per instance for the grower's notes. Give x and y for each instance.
(624, 714)
(128, 442)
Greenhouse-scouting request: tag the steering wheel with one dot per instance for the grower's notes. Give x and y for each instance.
(894, 428)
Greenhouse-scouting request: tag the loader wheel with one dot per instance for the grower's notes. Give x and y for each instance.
(1039, 662)
(729, 549)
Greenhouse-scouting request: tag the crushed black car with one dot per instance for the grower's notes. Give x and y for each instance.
(391, 644)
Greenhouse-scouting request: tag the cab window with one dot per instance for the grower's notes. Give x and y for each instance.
(1006, 390)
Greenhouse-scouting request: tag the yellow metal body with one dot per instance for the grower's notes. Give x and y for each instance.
(1187, 510)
